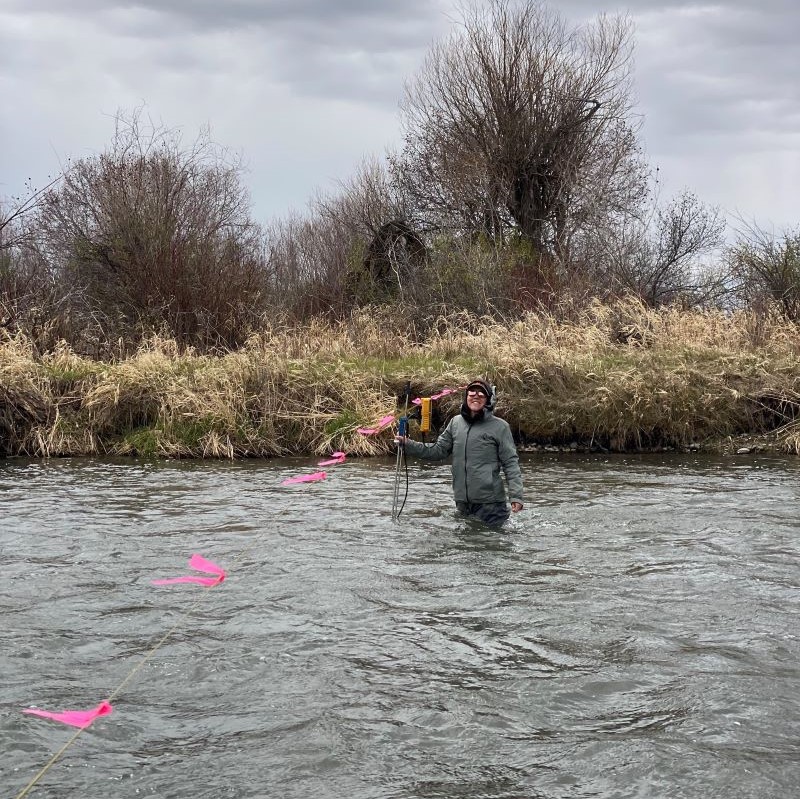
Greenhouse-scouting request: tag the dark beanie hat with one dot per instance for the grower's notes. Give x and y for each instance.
(481, 385)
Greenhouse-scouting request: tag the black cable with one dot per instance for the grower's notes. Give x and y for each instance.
(401, 452)
(404, 461)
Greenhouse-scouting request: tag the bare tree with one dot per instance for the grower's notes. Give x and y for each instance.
(373, 214)
(766, 266)
(31, 300)
(518, 122)
(659, 257)
(355, 246)
(307, 261)
(158, 235)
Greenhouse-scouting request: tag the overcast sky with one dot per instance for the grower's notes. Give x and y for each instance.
(304, 89)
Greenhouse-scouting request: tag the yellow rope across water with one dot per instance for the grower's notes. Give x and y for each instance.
(164, 638)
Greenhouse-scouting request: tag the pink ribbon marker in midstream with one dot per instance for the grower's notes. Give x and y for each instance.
(335, 459)
(75, 718)
(381, 424)
(305, 478)
(200, 564)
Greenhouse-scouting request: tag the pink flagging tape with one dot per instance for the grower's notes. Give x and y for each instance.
(75, 718)
(380, 425)
(443, 393)
(200, 564)
(305, 478)
(335, 459)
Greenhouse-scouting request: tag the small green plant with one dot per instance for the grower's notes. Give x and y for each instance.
(190, 433)
(342, 424)
(143, 441)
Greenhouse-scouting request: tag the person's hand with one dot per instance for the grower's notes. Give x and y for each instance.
(400, 440)
(516, 507)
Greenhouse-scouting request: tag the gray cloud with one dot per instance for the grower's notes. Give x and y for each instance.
(387, 22)
(306, 87)
(728, 73)
(350, 48)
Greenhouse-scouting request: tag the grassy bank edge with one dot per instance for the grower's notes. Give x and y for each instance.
(622, 378)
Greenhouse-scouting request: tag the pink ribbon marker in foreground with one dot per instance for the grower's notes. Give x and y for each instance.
(382, 423)
(305, 478)
(75, 718)
(335, 459)
(200, 564)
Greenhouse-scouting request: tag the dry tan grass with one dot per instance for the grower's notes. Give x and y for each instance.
(622, 376)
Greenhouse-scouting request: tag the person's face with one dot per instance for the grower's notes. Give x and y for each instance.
(475, 400)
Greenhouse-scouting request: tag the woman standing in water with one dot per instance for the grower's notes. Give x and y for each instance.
(482, 446)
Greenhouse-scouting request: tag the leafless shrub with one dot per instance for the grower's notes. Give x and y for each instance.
(157, 236)
(31, 302)
(354, 247)
(659, 254)
(307, 260)
(383, 248)
(766, 266)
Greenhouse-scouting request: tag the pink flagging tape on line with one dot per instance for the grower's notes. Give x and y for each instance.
(200, 564)
(381, 424)
(335, 459)
(305, 478)
(443, 393)
(446, 391)
(75, 718)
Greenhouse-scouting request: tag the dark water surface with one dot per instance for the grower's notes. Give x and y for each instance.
(633, 633)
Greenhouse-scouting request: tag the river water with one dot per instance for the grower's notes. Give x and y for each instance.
(632, 633)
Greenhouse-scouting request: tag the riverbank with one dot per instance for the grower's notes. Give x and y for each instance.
(618, 378)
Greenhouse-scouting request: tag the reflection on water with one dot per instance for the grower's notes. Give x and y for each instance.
(633, 633)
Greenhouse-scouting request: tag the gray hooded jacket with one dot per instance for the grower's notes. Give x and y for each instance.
(480, 448)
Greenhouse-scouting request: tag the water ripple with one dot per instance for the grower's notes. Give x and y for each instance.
(631, 634)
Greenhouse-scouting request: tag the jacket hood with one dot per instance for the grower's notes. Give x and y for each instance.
(486, 387)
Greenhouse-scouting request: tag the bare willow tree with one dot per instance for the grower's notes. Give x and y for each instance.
(519, 122)
(156, 234)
